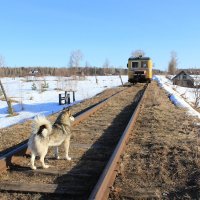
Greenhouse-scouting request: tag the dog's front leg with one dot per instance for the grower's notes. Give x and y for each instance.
(66, 144)
(56, 153)
(33, 161)
(42, 161)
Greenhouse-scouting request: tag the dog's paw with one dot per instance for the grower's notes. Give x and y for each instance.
(57, 157)
(45, 166)
(33, 167)
(68, 158)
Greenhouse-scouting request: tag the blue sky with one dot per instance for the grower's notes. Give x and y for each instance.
(45, 32)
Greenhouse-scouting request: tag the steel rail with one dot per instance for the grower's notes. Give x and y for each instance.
(107, 178)
(8, 158)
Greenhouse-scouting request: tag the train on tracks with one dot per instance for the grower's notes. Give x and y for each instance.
(139, 69)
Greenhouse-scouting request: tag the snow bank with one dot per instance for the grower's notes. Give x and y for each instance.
(175, 96)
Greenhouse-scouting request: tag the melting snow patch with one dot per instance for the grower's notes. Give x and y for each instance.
(174, 96)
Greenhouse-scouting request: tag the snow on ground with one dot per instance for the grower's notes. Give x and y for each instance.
(30, 103)
(180, 96)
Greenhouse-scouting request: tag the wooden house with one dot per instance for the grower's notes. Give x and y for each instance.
(183, 79)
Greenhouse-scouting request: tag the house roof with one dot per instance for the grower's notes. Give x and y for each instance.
(182, 72)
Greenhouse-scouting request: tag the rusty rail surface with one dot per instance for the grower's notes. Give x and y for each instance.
(8, 158)
(107, 178)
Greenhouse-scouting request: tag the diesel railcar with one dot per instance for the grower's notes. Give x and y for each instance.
(139, 69)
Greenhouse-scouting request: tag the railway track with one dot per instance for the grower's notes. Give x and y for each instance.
(21, 148)
(99, 137)
(13, 135)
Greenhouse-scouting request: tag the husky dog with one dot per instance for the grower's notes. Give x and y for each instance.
(45, 135)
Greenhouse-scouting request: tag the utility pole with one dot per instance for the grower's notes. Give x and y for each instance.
(95, 74)
(121, 78)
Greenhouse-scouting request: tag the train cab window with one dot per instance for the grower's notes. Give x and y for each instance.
(134, 65)
(144, 64)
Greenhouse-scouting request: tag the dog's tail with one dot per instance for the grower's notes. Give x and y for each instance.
(41, 126)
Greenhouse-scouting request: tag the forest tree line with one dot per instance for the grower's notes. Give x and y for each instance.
(52, 71)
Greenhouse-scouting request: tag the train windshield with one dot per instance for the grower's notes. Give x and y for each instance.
(134, 64)
(144, 64)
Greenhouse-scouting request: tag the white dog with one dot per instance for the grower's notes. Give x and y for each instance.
(45, 135)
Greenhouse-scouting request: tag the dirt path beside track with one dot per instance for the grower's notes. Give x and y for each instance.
(162, 158)
(17, 133)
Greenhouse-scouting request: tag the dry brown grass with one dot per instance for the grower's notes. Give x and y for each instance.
(17, 133)
(162, 155)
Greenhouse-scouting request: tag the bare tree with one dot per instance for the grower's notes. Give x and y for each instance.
(173, 63)
(138, 53)
(75, 58)
(196, 91)
(10, 110)
(106, 66)
(2, 61)
(87, 64)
